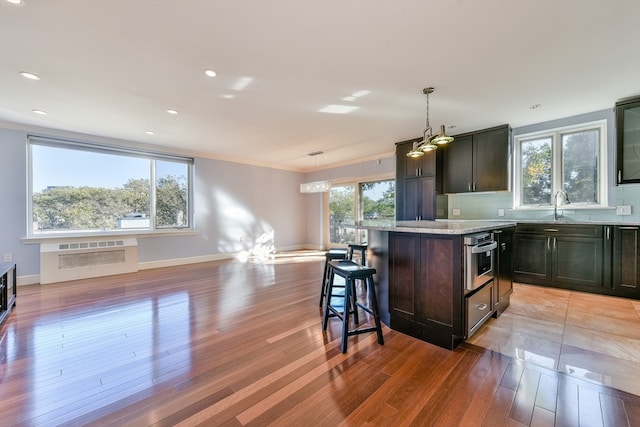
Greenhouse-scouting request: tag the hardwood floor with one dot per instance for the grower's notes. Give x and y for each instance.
(231, 343)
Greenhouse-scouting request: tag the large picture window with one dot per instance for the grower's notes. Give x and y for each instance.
(571, 159)
(86, 188)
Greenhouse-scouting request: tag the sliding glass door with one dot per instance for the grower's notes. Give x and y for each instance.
(371, 203)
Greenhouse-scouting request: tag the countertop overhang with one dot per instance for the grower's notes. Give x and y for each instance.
(440, 227)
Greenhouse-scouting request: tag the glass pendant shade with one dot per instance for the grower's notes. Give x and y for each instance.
(429, 146)
(442, 137)
(416, 151)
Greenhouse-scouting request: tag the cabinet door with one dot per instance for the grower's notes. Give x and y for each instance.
(411, 167)
(491, 160)
(440, 286)
(626, 260)
(404, 271)
(628, 140)
(458, 164)
(577, 261)
(531, 260)
(419, 199)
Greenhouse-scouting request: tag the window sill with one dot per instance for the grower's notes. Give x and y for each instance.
(107, 234)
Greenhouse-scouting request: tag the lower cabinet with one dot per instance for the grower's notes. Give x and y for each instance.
(565, 256)
(626, 261)
(425, 287)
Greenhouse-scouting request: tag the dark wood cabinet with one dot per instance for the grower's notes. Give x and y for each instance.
(419, 201)
(7, 289)
(457, 174)
(417, 184)
(566, 256)
(425, 287)
(414, 167)
(503, 277)
(628, 140)
(477, 161)
(626, 261)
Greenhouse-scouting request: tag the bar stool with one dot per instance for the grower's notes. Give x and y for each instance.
(331, 254)
(351, 271)
(362, 248)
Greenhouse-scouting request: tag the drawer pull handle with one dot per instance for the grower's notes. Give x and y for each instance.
(628, 228)
(481, 307)
(551, 229)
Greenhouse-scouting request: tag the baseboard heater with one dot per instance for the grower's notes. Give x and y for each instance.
(83, 259)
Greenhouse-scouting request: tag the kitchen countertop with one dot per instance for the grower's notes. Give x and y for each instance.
(456, 226)
(440, 227)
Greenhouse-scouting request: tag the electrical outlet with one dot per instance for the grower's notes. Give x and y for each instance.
(623, 210)
(7, 257)
(500, 212)
(456, 212)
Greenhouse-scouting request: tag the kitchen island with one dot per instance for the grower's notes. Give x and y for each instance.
(421, 277)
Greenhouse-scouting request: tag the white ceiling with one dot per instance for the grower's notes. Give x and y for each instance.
(112, 68)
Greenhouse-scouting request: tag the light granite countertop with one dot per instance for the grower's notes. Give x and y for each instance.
(455, 226)
(440, 227)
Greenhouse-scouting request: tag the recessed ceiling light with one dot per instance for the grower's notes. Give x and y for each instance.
(170, 111)
(338, 109)
(349, 98)
(210, 73)
(28, 75)
(228, 96)
(149, 132)
(18, 2)
(42, 113)
(535, 106)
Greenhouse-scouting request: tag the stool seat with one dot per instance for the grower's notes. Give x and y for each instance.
(351, 271)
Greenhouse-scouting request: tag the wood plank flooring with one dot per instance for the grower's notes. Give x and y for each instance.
(240, 344)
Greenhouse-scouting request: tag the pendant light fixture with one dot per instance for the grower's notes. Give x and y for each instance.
(429, 141)
(315, 186)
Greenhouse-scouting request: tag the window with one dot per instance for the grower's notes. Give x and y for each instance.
(373, 203)
(88, 188)
(572, 159)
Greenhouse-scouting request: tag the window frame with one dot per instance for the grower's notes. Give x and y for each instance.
(557, 164)
(112, 149)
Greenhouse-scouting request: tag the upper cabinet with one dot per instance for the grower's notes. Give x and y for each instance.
(411, 167)
(628, 140)
(417, 183)
(477, 161)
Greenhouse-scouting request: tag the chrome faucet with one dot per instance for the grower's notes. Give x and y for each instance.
(565, 201)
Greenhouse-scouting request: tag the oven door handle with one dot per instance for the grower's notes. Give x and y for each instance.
(484, 248)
